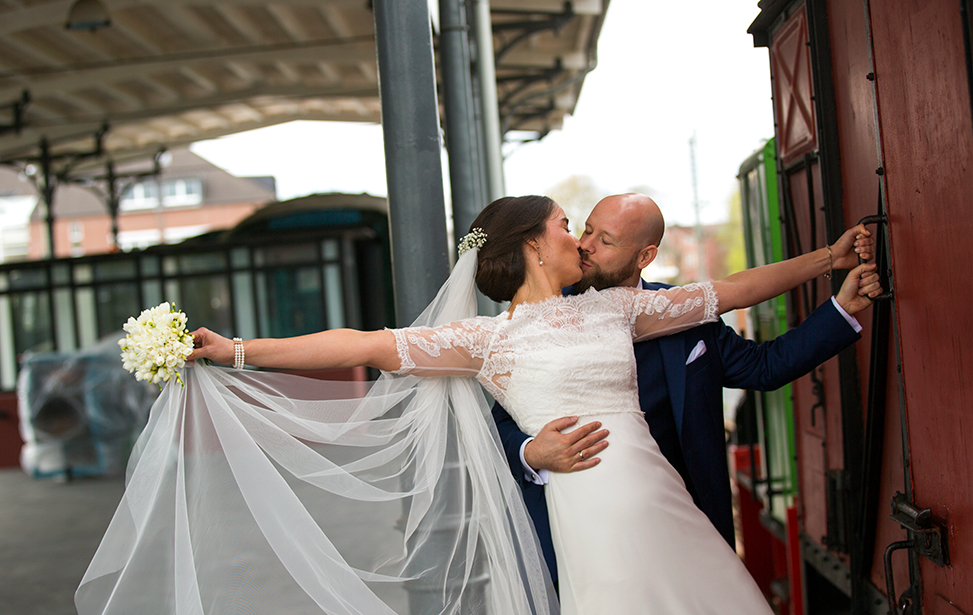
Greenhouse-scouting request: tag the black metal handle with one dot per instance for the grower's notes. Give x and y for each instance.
(879, 253)
(889, 581)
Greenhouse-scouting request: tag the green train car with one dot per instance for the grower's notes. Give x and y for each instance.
(773, 417)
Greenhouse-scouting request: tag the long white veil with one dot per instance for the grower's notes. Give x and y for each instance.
(257, 492)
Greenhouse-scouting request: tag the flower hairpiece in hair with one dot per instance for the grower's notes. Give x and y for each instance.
(474, 239)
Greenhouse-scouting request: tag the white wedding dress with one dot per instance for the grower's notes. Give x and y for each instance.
(628, 538)
(269, 493)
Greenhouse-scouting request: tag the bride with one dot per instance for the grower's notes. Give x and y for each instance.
(247, 491)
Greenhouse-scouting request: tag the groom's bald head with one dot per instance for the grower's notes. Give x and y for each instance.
(621, 237)
(638, 213)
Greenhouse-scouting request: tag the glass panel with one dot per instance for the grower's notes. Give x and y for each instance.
(4, 283)
(172, 294)
(116, 303)
(193, 186)
(114, 270)
(288, 255)
(170, 265)
(32, 330)
(87, 322)
(140, 196)
(202, 263)
(330, 249)
(350, 295)
(28, 278)
(62, 274)
(8, 358)
(333, 297)
(207, 303)
(150, 266)
(240, 257)
(262, 301)
(244, 306)
(152, 293)
(64, 313)
(291, 300)
(83, 274)
(188, 191)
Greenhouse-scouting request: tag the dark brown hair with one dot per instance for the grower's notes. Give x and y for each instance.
(508, 223)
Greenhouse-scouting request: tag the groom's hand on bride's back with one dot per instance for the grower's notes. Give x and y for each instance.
(555, 451)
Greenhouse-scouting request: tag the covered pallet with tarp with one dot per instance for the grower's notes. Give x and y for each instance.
(80, 413)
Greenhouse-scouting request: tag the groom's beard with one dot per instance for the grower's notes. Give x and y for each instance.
(600, 279)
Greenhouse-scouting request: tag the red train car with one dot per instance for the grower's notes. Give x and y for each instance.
(874, 119)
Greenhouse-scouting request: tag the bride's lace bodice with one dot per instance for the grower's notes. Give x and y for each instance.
(563, 356)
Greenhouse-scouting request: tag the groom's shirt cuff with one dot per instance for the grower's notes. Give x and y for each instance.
(848, 317)
(538, 477)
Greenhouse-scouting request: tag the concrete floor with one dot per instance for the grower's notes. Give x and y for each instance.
(48, 534)
(50, 530)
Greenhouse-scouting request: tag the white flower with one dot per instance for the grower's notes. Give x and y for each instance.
(157, 344)
(472, 240)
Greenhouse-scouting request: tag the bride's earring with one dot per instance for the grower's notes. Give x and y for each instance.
(539, 260)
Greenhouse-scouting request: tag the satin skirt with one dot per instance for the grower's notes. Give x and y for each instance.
(630, 540)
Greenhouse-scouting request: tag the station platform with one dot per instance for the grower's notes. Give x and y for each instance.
(48, 533)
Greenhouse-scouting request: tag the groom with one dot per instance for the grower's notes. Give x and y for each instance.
(680, 377)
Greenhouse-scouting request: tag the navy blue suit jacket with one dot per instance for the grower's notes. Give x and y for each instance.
(695, 394)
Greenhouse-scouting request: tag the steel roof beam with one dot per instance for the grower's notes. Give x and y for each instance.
(351, 52)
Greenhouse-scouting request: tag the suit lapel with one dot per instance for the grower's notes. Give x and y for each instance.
(673, 350)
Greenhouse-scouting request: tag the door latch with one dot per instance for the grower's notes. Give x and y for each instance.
(926, 538)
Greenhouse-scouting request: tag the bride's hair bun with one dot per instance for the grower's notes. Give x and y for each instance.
(508, 222)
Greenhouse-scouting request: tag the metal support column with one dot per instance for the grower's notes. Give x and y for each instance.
(47, 188)
(461, 135)
(490, 109)
(413, 167)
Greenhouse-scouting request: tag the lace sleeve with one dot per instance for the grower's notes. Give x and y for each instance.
(456, 349)
(655, 313)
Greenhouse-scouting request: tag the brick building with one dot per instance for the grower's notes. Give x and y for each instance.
(196, 197)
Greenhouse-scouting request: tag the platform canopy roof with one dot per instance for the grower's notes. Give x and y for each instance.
(166, 73)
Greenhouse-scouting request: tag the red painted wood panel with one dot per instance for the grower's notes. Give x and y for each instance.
(10, 442)
(927, 145)
(855, 115)
(790, 61)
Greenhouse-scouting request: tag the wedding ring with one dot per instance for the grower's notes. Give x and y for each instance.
(582, 455)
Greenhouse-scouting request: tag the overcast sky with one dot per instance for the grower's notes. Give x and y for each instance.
(666, 71)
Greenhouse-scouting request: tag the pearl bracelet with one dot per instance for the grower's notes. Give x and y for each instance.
(238, 354)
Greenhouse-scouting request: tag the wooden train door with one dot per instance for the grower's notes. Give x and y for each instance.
(873, 111)
(921, 78)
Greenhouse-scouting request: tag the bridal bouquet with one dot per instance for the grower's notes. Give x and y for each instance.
(157, 344)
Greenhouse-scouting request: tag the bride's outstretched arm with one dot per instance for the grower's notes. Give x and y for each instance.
(325, 349)
(752, 286)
